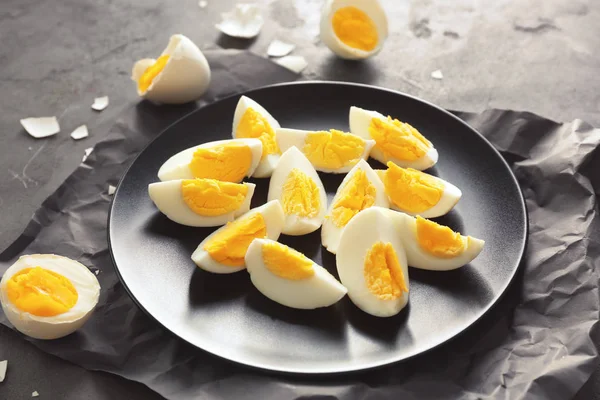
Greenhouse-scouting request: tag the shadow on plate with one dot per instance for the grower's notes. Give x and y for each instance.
(465, 284)
(453, 220)
(185, 236)
(207, 288)
(309, 245)
(383, 329)
(327, 320)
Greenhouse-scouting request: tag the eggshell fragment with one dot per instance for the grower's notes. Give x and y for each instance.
(41, 127)
(3, 368)
(277, 48)
(35, 394)
(293, 63)
(86, 153)
(111, 190)
(80, 132)
(437, 74)
(202, 4)
(100, 103)
(244, 21)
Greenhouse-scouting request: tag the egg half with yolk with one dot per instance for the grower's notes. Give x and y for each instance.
(328, 151)
(360, 189)
(395, 141)
(288, 277)
(353, 29)
(181, 74)
(372, 264)
(223, 251)
(225, 160)
(251, 120)
(417, 193)
(201, 201)
(432, 246)
(297, 186)
(46, 296)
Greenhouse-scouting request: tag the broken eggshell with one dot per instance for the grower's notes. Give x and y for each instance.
(244, 21)
(41, 127)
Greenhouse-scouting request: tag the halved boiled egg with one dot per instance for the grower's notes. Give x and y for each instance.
(224, 160)
(395, 141)
(251, 120)
(201, 201)
(181, 73)
(417, 193)
(223, 251)
(432, 246)
(360, 189)
(296, 184)
(372, 264)
(328, 151)
(353, 29)
(288, 277)
(46, 296)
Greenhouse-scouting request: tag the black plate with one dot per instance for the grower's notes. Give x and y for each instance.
(225, 315)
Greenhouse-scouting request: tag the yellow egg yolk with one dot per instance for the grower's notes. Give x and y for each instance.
(229, 246)
(383, 273)
(230, 162)
(41, 292)
(254, 125)
(334, 149)
(411, 190)
(209, 197)
(355, 28)
(286, 263)
(300, 195)
(357, 195)
(398, 139)
(151, 72)
(439, 240)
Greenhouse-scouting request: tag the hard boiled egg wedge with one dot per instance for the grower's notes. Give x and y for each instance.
(297, 186)
(181, 73)
(288, 277)
(372, 264)
(201, 201)
(432, 246)
(360, 189)
(46, 296)
(334, 151)
(353, 29)
(251, 120)
(224, 160)
(394, 140)
(223, 251)
(417, 193)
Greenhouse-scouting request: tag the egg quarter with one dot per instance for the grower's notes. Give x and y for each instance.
(372, 263)
(296, 184)
(223, 251)
(226, 160)
(289, 278)
(201, 202)
(331, 151)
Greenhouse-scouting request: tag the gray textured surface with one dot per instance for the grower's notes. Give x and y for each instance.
(56, 56)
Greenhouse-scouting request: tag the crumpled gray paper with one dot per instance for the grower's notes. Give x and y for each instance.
(534, 344)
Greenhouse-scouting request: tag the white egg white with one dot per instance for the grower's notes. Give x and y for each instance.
(273, 216)
(85, 282)
(177, 167)
(360, 120)
(168, 198)
(294, 224)
(419, 258)
(287, 138)
(266, 166)
(184, 78)
(320, 290)
(450, 197)
(362, 232)
(330, 233)
(370, 7)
